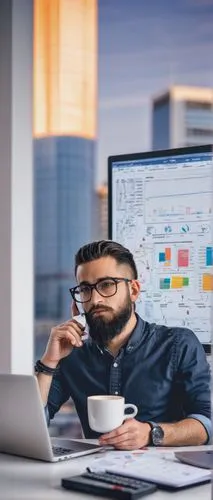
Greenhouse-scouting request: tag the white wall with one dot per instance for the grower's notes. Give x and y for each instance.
(16, 187)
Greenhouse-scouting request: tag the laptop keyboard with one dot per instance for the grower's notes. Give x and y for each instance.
(74, 447)
(59, 450)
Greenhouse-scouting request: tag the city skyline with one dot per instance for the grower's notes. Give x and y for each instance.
(144, 49)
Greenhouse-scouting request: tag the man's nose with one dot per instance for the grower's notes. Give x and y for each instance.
(96, 298)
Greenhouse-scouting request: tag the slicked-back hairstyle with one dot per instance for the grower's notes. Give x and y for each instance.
(105, 248)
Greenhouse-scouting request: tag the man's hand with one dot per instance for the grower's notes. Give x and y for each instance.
(131, 435)
(62, 339)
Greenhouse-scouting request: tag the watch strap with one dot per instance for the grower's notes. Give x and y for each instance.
(155, 427)
(152, 424)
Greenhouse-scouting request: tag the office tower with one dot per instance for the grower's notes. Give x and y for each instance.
(182, 116)
(65, 103)
(102, 212)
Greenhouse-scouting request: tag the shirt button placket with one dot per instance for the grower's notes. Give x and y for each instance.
(115, 378)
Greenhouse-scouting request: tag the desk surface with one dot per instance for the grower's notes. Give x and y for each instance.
(26, 479)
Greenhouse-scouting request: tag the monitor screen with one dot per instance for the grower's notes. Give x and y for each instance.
(160, 207)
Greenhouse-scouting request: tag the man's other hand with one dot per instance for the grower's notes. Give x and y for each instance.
(131, 435)
(62, 339)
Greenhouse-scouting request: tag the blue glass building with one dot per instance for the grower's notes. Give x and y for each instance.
(64, 197)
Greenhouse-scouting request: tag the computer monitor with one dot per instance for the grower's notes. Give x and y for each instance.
(160, 207)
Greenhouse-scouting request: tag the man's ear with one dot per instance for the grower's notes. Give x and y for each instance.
(135, 289)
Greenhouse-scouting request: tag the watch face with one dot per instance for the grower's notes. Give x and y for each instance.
(157, 435)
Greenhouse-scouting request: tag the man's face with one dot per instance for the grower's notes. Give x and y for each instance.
(106, 316)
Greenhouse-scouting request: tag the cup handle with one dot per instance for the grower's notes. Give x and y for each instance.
(132, 414)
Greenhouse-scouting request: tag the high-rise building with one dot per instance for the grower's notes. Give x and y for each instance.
(182, 116)
(102, 212)
(65, 105)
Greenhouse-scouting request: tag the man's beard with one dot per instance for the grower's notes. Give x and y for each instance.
(101, 329)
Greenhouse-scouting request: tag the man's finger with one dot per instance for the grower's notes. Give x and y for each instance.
(122, 438)
(126, 445)
(68, 337)
(72, 326)
(75, 335)
(120, 431)
(80, 320)
(125, 427)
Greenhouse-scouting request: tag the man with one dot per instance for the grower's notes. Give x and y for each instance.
(162, 370)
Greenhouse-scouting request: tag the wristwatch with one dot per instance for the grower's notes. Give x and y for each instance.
(156, 433)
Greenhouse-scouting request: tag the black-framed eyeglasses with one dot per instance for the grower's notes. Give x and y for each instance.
(106, 287)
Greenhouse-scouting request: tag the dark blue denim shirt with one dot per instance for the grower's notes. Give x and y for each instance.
(162, 370)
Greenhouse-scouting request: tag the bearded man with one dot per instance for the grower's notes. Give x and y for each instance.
(162, 370)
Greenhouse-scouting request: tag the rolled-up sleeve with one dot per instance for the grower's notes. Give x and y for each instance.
(59, 393)
(194, 374)
(206, 423)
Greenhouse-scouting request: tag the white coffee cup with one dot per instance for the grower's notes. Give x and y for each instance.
(105, 413)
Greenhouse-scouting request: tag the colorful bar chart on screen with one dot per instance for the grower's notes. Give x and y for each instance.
(209, 256)
(207, 282)
(165, 257)
(179, 281)
(183, 257)
(165, 283)
(174, 282)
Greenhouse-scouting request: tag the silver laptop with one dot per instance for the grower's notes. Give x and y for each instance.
(23, 427)
(202, 458)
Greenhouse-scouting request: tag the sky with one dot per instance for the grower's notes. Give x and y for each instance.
(144, 47)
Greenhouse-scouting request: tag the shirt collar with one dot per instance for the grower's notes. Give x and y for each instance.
(133, 340)
(136, 335)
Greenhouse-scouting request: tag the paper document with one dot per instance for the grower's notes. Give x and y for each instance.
(160, 468)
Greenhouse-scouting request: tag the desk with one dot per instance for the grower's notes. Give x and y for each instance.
(26, 479)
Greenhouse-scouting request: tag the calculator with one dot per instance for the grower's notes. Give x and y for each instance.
(108, 484)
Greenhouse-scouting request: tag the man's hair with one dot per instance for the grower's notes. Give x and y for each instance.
(105, 248)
